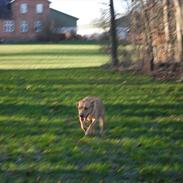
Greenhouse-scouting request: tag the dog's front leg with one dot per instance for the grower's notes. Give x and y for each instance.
(82, 126)
(90, 128)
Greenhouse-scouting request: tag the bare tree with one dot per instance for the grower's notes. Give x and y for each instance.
(113, 36)
(160, 34)
(133, 21)
(178, 19)
(148, 35)
(104, 20)
(166, 26)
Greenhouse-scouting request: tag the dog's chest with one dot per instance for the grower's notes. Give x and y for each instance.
(89, 120)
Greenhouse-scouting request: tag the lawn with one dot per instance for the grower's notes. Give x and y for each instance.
(50, 56)
(40, 138)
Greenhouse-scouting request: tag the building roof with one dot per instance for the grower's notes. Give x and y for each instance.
(61, 13)
(5, 9)
(123, 21)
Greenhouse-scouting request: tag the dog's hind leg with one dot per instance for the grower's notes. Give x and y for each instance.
(101, 125)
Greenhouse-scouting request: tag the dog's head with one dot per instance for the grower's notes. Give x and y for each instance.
(85, 108)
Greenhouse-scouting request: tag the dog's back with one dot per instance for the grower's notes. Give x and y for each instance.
(98, 106)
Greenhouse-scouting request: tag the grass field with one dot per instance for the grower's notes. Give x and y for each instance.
(52, 56)
(40, 138)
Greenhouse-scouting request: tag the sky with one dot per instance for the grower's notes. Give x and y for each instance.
(86, 10)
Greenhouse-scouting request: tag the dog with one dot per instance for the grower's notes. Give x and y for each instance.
(91, 112)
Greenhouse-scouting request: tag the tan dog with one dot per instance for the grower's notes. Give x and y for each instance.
(91, 111)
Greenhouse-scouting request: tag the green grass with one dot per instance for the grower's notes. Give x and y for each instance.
(51, 56)
(40, 138)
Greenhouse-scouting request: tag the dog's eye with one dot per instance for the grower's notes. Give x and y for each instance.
(86, 108)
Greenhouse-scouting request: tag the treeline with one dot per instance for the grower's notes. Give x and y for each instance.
(157, 25)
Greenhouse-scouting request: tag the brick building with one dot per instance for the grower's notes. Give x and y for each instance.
(28, 19)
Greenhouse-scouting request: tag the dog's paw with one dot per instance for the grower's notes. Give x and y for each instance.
(86, 133)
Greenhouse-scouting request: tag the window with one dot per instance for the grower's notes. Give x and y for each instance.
(23, 8)
(24, 27)
(39, 8)
(9, 26)
(38, 26)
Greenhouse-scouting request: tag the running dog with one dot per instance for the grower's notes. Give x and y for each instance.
(91, 111)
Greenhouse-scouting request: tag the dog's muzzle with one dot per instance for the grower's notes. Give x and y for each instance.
(82, 117)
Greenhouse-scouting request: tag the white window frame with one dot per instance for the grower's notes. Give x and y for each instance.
(23, 8)
(38, 26)
(24, 26)
(39, 8)
(8, 26)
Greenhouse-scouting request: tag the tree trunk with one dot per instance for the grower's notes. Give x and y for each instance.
(133, 23)
(178, 19)
(181, 4)
(148, 35)
(166, 27)
(114, 43)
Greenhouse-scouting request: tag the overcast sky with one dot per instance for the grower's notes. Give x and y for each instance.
(85, 10)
